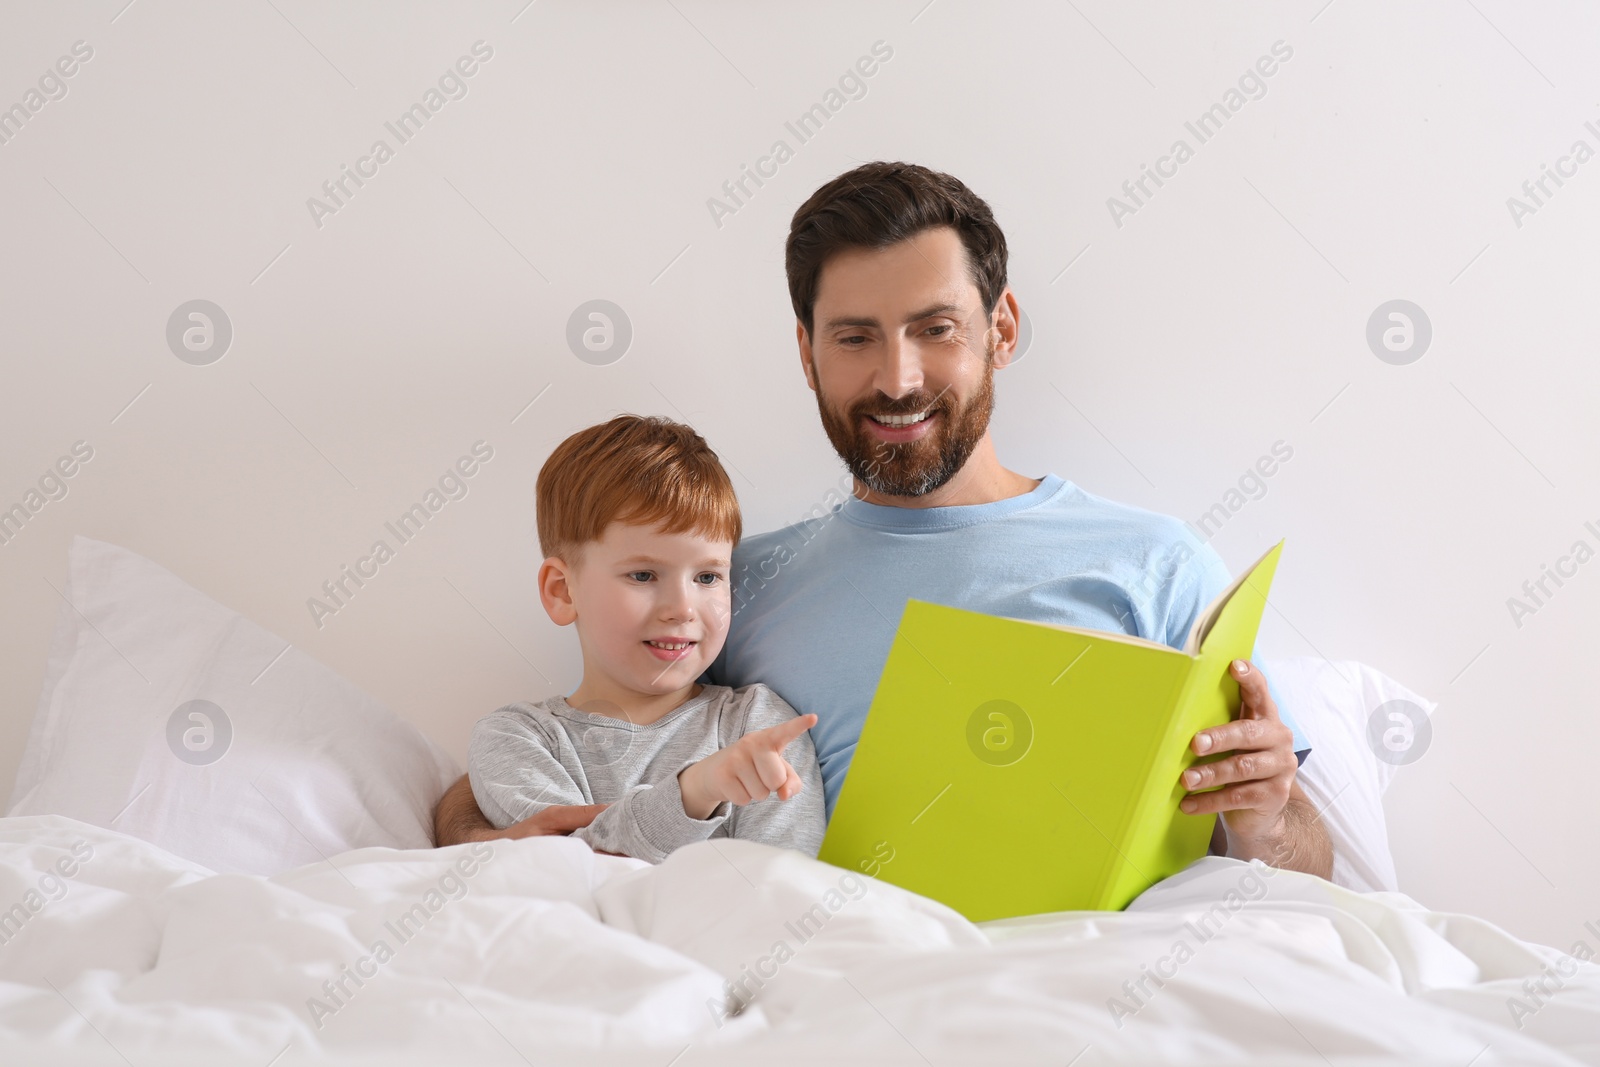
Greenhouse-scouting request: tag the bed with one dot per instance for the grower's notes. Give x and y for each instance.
(279, 903)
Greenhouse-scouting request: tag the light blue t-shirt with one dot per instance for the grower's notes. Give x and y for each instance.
(815, 604)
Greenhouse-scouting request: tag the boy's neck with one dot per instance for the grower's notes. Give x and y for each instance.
(604, 697)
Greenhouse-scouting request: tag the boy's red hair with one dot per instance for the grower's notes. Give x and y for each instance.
(643, 470)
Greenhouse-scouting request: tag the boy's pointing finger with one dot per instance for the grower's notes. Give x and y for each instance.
(780, 735)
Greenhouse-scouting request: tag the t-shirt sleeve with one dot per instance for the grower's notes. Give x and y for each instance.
(649, 823)
(1196, 583)
(518, 765)
(515, 769)
(800, 821)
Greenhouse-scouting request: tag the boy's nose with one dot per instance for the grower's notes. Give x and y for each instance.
(679, 606)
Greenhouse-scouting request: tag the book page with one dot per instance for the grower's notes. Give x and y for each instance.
(1102, 635)
(1208, 616)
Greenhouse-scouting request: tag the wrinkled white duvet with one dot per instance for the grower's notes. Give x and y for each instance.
(538, 951)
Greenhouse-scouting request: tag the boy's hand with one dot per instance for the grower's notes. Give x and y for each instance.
(750, 769)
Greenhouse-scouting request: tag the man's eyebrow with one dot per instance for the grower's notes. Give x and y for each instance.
(915, 316)
(702, 563)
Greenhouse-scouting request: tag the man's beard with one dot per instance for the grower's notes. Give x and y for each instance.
(910, 468)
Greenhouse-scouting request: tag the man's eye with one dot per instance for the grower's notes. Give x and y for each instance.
(845, 341)
(947, 328)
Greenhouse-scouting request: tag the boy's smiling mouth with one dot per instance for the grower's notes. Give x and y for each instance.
(670, 648)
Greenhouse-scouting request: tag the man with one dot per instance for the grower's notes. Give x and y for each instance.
(897, 275)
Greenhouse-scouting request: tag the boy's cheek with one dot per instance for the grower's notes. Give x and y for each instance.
(722, 619)
(711, 647)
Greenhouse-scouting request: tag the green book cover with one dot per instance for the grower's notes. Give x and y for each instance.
(1009, 767)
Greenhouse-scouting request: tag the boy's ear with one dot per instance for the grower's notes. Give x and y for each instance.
(554, 592)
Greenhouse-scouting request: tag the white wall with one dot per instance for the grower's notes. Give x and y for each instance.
(1224, 315)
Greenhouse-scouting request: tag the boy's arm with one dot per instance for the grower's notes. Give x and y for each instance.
(686, 806)
(650, 822)
(458, 820)
(515, 771)
(800, 821)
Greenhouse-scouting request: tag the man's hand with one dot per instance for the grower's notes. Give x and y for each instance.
(750, 769)
(1264, 813)
(554, 820)
(458, 820)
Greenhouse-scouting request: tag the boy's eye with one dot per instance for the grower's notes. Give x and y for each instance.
(713, 575)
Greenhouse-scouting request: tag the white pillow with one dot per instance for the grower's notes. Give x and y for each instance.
(1356, 720)
(286, 764)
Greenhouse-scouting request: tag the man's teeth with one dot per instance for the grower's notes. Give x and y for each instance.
(670, 645)
(899, 420)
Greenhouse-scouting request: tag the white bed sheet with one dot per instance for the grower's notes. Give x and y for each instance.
(548, 953)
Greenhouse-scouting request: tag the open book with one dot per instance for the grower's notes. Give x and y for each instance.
(1009, 767)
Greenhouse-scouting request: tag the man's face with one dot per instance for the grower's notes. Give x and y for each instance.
(636, 586)
(901, 332)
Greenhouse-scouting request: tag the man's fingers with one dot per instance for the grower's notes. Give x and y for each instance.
(1257, 714)
(1258, 795)
(557, 819)
(1255, 699)
(565, 818)
(1244, 767)
(1242, 734)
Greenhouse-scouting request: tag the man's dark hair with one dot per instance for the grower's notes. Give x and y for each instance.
(880, 204)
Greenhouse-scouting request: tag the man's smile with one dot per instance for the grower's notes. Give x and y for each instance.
(896, 429)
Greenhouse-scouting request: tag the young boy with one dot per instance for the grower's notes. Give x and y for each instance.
(637, 521)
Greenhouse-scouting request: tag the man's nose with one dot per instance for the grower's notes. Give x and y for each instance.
(900, 371)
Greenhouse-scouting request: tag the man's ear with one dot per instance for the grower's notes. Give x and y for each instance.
(555, 593)
(805, 354)
(1005, 321)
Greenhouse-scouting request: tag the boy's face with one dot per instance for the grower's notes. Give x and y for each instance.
(637, 588)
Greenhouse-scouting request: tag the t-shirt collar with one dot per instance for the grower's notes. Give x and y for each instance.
(885, 516)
